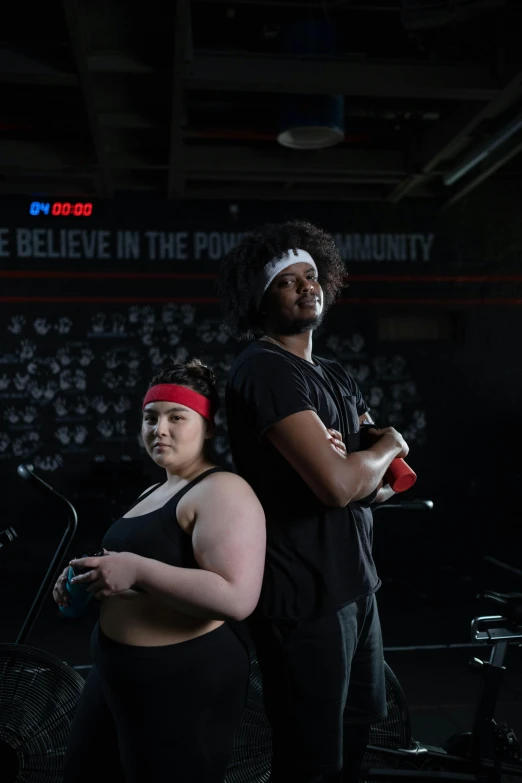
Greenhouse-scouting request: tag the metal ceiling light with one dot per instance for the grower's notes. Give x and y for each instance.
(311, 122)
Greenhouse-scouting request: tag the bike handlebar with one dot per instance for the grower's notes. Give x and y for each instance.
(407, 505)
(27, 472)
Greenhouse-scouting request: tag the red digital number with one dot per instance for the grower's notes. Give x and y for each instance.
(66, 208)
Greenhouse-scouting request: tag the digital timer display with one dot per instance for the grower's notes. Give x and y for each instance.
(61, 208)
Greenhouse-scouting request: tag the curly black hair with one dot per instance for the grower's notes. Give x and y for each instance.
(237, 285)
(194, 375)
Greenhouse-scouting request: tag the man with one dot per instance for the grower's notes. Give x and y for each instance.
(316, 628)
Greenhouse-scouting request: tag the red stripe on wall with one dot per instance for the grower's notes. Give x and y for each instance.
(112, 299)
(446, 302)
(49, 274)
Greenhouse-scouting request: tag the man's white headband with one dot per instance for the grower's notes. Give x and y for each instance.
(276, 265)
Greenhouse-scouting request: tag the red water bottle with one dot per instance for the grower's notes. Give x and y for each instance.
(400, 476)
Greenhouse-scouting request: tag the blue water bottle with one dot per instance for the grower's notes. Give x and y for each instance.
(78, 595)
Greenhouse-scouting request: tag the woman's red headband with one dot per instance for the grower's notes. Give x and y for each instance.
(169, 392)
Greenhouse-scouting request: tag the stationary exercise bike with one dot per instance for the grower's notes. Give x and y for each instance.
(486, 753)
(38, 691)
(490, 749)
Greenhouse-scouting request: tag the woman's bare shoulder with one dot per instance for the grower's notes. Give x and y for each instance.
(225, 479)
(228, 487)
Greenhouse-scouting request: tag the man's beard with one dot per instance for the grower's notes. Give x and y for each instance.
(297, 325)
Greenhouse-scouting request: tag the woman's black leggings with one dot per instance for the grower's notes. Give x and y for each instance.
(152, 714)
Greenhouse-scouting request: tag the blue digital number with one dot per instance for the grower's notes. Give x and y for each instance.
(37, 207)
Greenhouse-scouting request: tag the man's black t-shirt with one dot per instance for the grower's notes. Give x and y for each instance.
(319, 558)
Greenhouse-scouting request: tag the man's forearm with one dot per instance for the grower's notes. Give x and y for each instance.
(367, 468)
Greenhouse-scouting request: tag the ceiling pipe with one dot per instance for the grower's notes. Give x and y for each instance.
(482, 151)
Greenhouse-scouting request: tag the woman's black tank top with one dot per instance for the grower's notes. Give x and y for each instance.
(157, 534)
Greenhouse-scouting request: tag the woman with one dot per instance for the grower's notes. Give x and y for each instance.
(168, 684)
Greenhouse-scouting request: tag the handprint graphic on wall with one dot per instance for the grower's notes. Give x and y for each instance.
(27, 350)
(133, 360)
(16, 324)
(80, 380)
(63, 326)
(86, 357)
(84, 374)
(105, 428)
(98, 323)
(60, 407)
(36, 390)
(51, 387)
(42, 326)
(66, 380)
(5, 442)
(21, 381)
(12, 415)
(48, 463)
(111, 360)
(29, 414)
(81, 406)
(63, 435)
(122, 405)
(111, 380)
(64, 357)
(100, 404)
(80, 434)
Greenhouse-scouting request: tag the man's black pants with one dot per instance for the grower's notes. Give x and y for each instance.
(323, 686)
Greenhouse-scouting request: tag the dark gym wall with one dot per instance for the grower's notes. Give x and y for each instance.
(92, 305)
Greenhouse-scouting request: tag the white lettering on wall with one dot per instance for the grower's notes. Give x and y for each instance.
(165, 246)
(384, 247)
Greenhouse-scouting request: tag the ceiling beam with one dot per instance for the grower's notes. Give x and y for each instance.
(224, 163)
(495, 161)
(367, 5)
(447, 139)
(16, 154)
(334, 161)
(10, 187)
(314, 193)
(182, 52)
(17, 68)
(118, 62)
(244, 72)
(278, 176)
(124, 120)
(76, 27)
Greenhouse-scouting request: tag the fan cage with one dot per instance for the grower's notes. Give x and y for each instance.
(38, 697)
